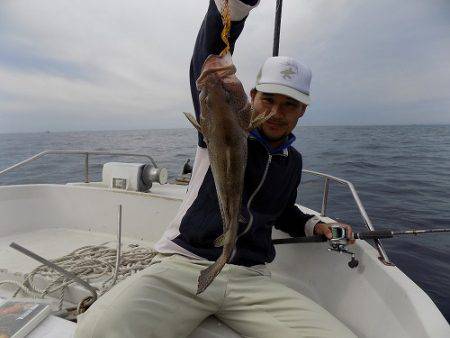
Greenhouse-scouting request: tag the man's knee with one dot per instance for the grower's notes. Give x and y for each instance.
(108, 323)
(93, 324)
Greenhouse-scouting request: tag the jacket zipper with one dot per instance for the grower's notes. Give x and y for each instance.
(250, 200)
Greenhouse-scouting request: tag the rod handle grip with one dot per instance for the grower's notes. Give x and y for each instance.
(291, 240)
(373, 234)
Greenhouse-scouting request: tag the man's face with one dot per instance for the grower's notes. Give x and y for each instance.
(287, 112)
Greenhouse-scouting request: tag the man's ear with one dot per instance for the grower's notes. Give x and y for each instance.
(303, 109)
(253, 94)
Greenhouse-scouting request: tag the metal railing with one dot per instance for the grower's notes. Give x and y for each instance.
(327, 178)
(86, 153)
(362, 211)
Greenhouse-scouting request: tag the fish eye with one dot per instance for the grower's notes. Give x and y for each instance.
(228, 96)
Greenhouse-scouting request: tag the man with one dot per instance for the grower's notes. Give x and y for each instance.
(161, 301)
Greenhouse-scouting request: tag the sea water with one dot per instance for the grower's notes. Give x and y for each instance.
(402, 174)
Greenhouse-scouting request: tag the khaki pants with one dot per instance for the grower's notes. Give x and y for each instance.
(160, 301)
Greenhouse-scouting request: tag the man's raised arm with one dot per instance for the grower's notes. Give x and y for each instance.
(209, 40)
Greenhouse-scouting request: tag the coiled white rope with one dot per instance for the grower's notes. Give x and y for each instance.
(94, 263)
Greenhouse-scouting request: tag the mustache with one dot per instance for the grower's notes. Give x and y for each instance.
(278, 121)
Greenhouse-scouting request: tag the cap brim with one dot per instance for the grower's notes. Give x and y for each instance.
(284, 90)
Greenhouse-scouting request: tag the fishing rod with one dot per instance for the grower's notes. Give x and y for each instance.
(376, 234)
(339, 240)
(276, 32)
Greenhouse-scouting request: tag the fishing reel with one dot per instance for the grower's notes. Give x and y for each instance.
(338, 243)
(339, 240)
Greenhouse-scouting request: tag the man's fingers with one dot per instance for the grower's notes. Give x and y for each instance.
(328, 233)
(325, 229)
(349, 233)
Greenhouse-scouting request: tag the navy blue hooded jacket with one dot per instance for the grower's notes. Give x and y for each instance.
(271, 180)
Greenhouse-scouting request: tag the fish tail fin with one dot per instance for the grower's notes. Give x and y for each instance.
(207, 275)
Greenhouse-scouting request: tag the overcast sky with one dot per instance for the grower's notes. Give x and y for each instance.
(115, 64)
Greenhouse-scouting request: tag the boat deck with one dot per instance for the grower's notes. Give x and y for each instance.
(50, 243)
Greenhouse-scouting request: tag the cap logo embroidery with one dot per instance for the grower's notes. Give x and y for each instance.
(287, 73)
(291, 69)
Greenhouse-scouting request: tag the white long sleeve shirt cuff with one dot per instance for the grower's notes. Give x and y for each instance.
(310, 224)
(238, 10)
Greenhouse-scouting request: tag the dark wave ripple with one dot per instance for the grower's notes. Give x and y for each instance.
(402, 174)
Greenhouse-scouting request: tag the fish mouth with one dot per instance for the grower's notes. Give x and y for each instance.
(220, 66)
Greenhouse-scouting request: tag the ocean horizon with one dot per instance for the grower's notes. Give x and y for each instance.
(190, 127)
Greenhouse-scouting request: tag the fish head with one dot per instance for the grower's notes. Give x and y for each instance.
(220, 66)
(220, 86)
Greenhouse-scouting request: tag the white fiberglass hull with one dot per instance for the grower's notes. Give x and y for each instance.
(374, 300)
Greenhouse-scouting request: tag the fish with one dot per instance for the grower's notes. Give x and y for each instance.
(226, 118)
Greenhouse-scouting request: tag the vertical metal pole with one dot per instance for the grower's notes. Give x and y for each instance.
(276, 32)
(86, 168)
(119, 245)
(326, 187)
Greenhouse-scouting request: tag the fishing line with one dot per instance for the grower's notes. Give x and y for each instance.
(226, 19)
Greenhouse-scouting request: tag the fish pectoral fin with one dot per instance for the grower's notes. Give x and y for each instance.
(260, 119)
(194, 122)
(220, 241)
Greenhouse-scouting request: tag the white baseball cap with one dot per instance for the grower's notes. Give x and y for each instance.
(285, 75)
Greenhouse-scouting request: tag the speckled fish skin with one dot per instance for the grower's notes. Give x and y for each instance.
(224, 122)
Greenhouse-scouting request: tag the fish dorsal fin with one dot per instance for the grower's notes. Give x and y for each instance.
(194, 122)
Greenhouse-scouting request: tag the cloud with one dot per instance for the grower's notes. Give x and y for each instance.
(384, 63)
(70, 65)
(104, 60)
